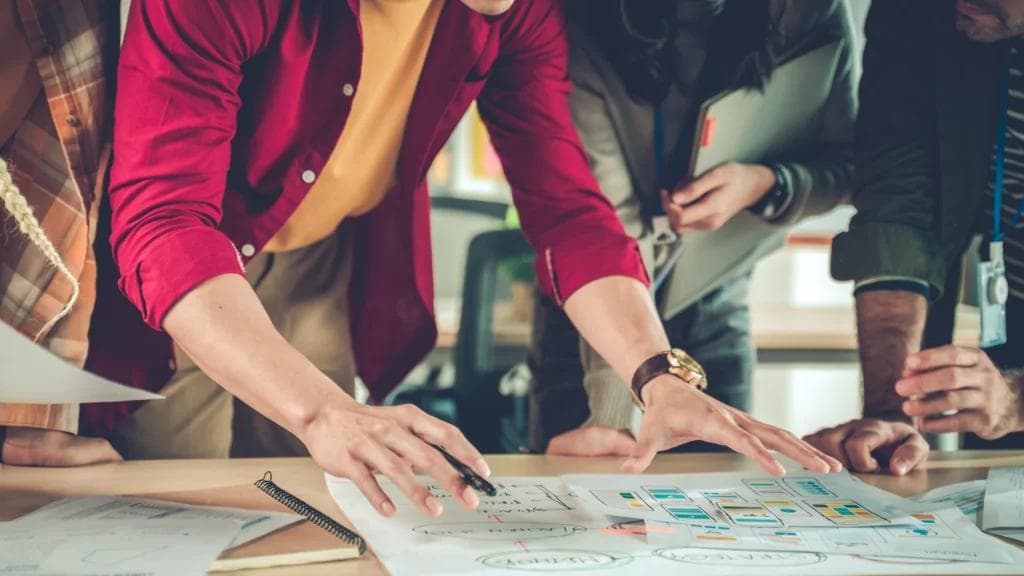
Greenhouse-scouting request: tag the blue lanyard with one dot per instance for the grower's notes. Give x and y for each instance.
(998, 184)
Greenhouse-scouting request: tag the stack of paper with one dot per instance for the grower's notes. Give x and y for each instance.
(1004, 503)
(106, 535)
(708, 523)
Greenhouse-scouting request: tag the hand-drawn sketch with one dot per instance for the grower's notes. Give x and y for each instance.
(502, 531)
(541, 525)
(554, 560)
(740, 558)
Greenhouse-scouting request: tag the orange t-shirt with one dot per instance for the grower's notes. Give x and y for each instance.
(361, 169)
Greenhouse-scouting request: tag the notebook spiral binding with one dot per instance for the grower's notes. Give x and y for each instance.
(299, 506)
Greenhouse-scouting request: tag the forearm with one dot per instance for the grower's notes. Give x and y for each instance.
(223, 327)
(890, 325)
(616, 316)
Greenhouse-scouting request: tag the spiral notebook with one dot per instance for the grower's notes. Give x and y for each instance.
(320, 539)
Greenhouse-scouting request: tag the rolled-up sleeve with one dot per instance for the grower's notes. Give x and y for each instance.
(565, 217)
(894, 233)
(177, 102)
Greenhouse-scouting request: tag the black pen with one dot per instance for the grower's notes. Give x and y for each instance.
(471, 478)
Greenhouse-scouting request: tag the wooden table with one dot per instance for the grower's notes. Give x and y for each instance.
(24, 489)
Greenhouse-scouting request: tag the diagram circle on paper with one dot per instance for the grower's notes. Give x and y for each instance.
(740, 558)
(503, 531)
(900, 560)
(554, 560)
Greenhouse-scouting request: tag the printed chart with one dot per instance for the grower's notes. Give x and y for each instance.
(800, 501)
(538, 525)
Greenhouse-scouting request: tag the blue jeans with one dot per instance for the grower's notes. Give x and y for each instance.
(715, 331)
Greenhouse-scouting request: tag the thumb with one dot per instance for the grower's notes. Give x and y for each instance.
(908, 456)
(643, 453)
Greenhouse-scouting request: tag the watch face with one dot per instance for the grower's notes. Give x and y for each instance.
(685, 367)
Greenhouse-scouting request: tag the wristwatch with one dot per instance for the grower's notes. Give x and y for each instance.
(674, 362)
(778, 199)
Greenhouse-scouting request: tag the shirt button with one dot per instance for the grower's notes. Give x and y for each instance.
(308, 176)
(172, 365)
(73, 121)
(348, 89)
(248, 250)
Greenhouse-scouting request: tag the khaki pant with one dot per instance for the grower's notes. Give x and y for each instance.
(305, 292)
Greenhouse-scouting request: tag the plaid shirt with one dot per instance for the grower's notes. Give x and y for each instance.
(57, 158)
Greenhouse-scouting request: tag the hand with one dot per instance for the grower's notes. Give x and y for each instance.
(710, 200)
(956, 378)
(678, 413)
(353, 441)
(592, 441)
(34, 447)
(857, 442)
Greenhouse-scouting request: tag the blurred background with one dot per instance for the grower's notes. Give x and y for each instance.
(803, 321)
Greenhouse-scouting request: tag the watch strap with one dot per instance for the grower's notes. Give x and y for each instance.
(674, 362)
(778, 199)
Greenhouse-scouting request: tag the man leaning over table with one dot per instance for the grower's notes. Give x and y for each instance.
(938, 77)
(55, 58)
(269, 212)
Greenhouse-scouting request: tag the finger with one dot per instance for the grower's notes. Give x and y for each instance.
(449, 437)
(428, 460)
(830, 441)
(942, 357)
(365, 481)
(783, 441)
(966, 421)
(648, 442)
(400, 473)
(674, 213)
(860, 445)
(949, 378)
(723, 430)
(908, 455)
(85, 451)
(941, 402)
(699, 216)
(697, 188)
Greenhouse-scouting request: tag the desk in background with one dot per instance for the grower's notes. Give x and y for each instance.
(782, 334)
(24, 489)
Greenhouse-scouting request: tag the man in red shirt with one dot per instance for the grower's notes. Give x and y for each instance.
(262, 131)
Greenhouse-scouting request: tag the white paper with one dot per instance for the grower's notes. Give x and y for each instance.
(138, 512)
(535, 525)
(757, 563)
(113, 548)
(968, 497)
(942, 535)
(797, 500)
(30, 374)
(1004, 503)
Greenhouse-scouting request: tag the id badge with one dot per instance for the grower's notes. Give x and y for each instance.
(993, 292)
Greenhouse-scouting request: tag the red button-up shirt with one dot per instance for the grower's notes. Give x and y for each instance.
(224, 109)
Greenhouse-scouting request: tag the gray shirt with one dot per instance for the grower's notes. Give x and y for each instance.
(618, 135)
